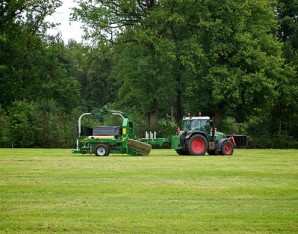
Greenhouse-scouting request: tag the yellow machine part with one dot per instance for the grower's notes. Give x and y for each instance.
(101, 137)
(142, 147)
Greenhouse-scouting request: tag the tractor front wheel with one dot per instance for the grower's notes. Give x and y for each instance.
(212, 152)
(227, 148)
(182, 152)
(197, 145)
(102, 150)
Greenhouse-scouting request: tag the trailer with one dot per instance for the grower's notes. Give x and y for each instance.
(103, 140)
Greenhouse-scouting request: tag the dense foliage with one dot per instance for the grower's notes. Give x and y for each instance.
(155, 59)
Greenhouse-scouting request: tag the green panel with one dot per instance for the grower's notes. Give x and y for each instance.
(76, 151)
(175, 142)
(155, 141)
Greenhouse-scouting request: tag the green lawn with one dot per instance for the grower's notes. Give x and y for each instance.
(51, 190)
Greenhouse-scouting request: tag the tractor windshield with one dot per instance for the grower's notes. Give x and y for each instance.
(194, 124)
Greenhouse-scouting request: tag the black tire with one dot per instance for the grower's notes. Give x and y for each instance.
(227, 148)
(182, 152)
(212, 152)
(102, 150)
(197, 145)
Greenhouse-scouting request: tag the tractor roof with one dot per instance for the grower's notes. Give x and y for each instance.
(197, 117)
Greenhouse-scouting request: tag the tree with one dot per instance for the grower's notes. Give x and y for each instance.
(222, 56)
(285, 110)
(287, 13)
(4, 130)
(22, 26)
(56, 79)
(92, 68)
(128, 24)
(239, 60)
(22, 124)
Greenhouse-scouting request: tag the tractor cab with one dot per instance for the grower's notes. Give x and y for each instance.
(202, 124)
(196, 123)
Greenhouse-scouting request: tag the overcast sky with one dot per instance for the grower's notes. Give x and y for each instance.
(69, 30)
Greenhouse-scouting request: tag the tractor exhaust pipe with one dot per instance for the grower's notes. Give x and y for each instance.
(213, 131)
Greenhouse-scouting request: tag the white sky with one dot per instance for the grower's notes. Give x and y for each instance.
(68, 30)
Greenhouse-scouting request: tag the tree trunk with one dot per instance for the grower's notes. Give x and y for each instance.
(173, 119)
(148, 120)
(153, 120)
(179, 102)
(279, 127)
(219, 112)
(152, 117)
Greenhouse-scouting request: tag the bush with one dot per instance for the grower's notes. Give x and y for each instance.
(258, 129)
(284, 141)
(38, 124)
(23, 124)
(167, 127)
(229, 126)
(4, 129)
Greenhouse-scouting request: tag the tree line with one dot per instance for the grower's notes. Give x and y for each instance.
(155, 59)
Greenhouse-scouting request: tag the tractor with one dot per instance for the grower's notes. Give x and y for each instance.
(199, 136)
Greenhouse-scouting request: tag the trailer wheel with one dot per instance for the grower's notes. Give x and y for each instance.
(227, 148)
(197, 145)
(102, 150)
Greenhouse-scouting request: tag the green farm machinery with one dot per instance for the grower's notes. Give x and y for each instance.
(197, 137)
(103, 140)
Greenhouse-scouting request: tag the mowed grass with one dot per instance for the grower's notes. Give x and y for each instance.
(54, 191)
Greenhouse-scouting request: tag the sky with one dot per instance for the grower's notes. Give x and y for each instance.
(69, 30)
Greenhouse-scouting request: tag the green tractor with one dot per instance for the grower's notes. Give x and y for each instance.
(199, 136)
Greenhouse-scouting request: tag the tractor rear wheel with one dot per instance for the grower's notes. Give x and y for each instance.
(197, 145)
(227, 148)
(102, 150)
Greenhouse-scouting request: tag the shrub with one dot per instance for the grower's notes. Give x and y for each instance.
(167, 127)
(4, 129)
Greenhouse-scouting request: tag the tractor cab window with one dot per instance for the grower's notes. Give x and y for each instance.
(198, 124)
(187, 125)
(194, 124)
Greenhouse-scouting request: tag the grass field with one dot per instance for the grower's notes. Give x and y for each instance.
(53, 191)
